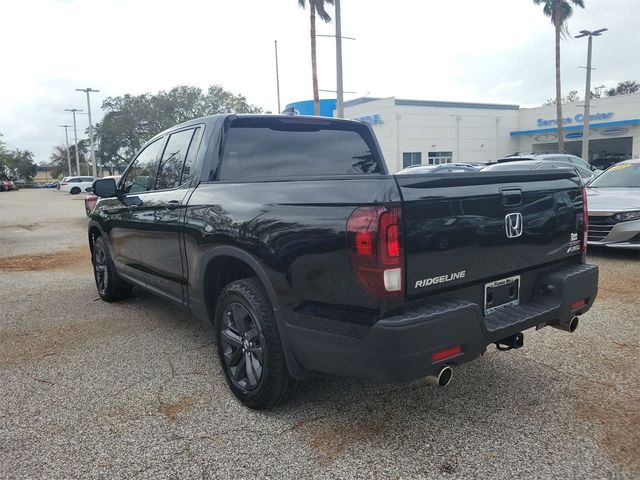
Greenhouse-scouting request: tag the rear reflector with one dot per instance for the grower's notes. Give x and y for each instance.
(446, 353)
(579, 304)
(393, 280)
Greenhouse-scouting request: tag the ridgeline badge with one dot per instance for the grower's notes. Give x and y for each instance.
(441, 279)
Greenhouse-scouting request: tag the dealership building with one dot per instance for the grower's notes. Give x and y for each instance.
(432, 132)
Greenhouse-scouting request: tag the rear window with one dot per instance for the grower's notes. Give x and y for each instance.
(279, 148)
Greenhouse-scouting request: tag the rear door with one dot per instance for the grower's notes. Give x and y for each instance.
(472, 227)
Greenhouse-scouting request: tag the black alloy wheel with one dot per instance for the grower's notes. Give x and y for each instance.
(108, 283)
(242, 346)
(250, 350)
(100, 268)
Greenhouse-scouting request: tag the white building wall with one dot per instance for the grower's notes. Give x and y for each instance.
(471, 134)
(623, 107)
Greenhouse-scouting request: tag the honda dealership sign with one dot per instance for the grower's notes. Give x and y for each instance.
(578, 118)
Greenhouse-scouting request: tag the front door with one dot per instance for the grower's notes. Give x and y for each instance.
(128, 222)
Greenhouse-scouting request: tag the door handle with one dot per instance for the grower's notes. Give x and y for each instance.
(173, 204)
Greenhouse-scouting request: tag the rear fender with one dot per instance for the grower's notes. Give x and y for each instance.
(229, 251)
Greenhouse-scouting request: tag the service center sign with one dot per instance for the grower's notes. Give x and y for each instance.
(579, 118)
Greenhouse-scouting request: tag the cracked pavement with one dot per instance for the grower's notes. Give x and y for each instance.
(133, 389)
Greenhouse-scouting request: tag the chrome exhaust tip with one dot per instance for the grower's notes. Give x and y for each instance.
(443, 378)
(573, 324)
(570, 326)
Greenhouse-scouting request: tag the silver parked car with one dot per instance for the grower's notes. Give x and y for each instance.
(613, 200)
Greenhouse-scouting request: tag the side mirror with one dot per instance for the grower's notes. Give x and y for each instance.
(104, 187)
(593, 168)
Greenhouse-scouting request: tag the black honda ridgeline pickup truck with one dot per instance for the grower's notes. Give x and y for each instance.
(289, 234)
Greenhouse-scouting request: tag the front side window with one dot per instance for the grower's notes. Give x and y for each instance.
(139, 176)
(172, 161)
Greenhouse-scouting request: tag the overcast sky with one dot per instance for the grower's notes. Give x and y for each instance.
(464, 50)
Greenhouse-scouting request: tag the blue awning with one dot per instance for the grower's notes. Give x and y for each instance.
(573, 128)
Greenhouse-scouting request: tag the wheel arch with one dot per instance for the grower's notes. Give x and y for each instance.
(94, 231)
(224, 264)
(235, 264)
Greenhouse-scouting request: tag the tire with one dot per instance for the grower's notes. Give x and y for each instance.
(108, 283)
(75, 191)
(247, 336)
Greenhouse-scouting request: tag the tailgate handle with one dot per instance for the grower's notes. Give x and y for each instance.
(511, 197)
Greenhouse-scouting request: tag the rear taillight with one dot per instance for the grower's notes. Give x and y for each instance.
(585, 220)
(373, 235)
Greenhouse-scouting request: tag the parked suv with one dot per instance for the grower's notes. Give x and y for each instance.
(289, 234)
(75, 185)
(585, 174)
(585, 169)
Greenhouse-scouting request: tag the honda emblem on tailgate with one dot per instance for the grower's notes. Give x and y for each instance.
(513, 225)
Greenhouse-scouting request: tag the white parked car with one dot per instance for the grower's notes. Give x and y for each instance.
(76, 185)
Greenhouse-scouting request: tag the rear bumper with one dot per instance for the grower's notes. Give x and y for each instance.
(400, 348)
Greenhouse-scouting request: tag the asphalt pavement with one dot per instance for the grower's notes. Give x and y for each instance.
(134, 390)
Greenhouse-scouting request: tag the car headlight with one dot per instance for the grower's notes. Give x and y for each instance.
(626, 216)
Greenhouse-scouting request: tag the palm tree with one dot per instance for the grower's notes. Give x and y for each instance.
(559, 11)
(315, 6)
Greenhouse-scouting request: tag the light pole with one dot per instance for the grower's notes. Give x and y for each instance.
(587, 93)
(75, 137)
(277, 75)
(339, 91)
(93, 153)
(66, 139)
(339, 87)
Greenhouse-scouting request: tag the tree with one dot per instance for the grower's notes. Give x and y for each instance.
(315, 6)
(572, 97)
(131, 120)
(559, 11)
(58, 159)
(17, 165)
(630, 86)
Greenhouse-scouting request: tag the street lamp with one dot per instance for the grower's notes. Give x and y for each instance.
(93, 153)
(66, 138)
(587, 94)
(75, 137)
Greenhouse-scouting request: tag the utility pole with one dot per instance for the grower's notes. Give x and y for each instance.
(93, 152)
(75, 137)
(339, 86)
(587, 93)
(66, 139)
(277, 75)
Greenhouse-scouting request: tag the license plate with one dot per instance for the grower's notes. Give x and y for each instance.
(501, 293)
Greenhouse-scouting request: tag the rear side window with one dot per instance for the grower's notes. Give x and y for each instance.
(278, 148)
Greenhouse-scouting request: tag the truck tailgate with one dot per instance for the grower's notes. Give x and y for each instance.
(479, 227)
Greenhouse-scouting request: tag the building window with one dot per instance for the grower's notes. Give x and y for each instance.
(411, 158)
(436, 158)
